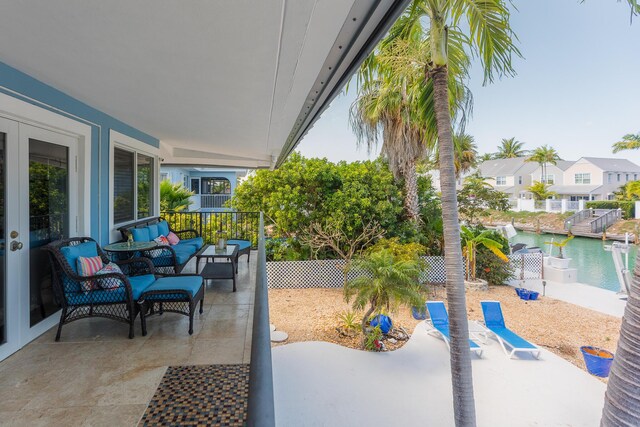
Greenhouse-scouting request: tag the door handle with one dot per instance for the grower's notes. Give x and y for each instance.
(16, 246)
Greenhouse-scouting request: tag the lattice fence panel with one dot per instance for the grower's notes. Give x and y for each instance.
(527, 266)
(329, 273)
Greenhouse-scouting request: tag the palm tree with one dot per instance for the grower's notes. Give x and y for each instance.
(465, 153)
(394, 103)
(388, 281)
(540, 190)
(510, 149)
(474, 239)
(628, 142)
(174, 197)
(491, 38)
(543, 156)
(486, 157)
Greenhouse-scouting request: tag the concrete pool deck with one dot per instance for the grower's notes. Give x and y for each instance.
(324, 384)
(591, 297)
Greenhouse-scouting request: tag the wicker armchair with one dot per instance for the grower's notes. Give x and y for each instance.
(111, 295)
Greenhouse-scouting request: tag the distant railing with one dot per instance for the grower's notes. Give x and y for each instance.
(605, 219)
(540, 205)
(214, 200)
(555, 205)
(212, 225)
(260, 407)
(573, 205)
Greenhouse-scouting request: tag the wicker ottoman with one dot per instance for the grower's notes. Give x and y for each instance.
(175, 294)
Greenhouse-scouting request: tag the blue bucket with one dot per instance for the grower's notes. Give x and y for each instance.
(419, 313)
(384, 322)
(598, 361)
(525, 295)
(533, 295)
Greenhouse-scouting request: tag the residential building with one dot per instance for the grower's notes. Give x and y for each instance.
(589, 178)
(212, 187)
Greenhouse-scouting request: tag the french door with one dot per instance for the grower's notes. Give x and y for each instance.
(38, 204)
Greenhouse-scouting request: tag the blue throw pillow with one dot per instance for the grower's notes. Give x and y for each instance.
(153, 231)
(163, 228)
(71, 253)
(140, 234)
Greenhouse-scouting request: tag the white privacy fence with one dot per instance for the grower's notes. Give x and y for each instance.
(329, 273)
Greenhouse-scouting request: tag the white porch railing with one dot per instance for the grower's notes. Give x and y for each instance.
(213, 200)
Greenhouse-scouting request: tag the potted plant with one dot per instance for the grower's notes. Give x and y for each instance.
(472, 240)
(560, 261)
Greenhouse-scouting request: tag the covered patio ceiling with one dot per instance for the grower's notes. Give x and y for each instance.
(225, 83)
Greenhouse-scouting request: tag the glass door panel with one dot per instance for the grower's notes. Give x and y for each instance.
(3, 286)
(48, 220)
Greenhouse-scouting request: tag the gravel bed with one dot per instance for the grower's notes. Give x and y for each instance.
(312, 315)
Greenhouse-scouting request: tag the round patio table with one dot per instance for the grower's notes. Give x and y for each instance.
(124, 250)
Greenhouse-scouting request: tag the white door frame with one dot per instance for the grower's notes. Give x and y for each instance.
(28, 132)
(12, 275)
(12, 112)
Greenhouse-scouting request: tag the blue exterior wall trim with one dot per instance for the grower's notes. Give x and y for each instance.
(24, 87)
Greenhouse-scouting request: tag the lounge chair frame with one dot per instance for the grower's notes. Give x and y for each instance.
(535, 352)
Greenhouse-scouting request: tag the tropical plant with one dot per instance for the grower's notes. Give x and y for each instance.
(348, 320)
(383, 281)
(560, 245)
(472, 239)
(486, 157)
(174, 197)
(544, 156)
(400, 251)
(510, 148)
(492, 268)
(540, 190)
(465, 153)
(629, 142)
(489, 35)
(628, 191)
(476, 198)
(373, 340)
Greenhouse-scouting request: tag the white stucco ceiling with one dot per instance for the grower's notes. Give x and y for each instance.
(219, 82)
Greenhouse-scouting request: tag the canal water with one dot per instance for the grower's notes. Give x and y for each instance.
(594, 264)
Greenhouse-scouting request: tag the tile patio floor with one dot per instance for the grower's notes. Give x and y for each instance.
(97, 376)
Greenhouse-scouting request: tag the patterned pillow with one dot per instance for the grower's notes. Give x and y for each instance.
(161, 240)
(88, 266)
(172, 238)
(111, 283)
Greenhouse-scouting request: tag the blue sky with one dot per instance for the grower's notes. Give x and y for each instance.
(577, 88)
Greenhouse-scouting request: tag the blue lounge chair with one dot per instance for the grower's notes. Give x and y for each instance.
(440, 324)
(494, 321)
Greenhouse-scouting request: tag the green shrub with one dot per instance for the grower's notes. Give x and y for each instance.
(628, 207)
(491, 268)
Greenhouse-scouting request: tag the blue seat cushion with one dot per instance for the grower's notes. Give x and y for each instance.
(140, 234)
(514, 340)
(71, 253)
(153, 231)
(184, 252)
(138, 285)
(191, 284)
(163, 228)
(196, 241)
(242, 244)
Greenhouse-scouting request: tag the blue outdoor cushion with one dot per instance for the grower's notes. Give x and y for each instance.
(138, 285)
(140, 234)
(163, 228)
(184, 252)
(190, 284)
(196, 241)
(153, 231)
(71, 253)
(242, 244)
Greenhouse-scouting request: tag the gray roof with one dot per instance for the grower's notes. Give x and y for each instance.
(613, 165)
(574, 189)
(505, 167)
(564, 164)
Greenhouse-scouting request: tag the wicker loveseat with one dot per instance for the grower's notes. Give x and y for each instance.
(169, 259)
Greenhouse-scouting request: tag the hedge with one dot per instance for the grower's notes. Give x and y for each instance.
(628, 207)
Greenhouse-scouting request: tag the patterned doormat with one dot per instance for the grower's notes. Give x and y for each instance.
(201, 395)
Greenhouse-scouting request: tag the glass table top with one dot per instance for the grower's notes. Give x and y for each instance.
(212, 251)
(128, 247)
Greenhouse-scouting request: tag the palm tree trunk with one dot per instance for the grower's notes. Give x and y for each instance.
(622, 399)
(461, 376)
(411, 192)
